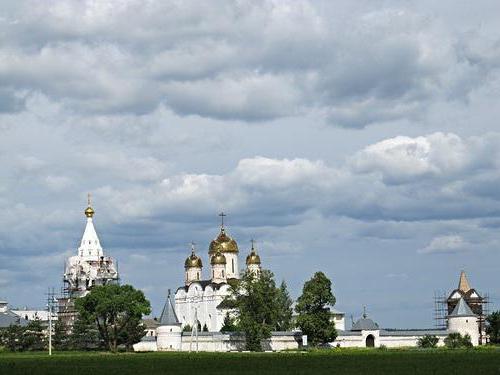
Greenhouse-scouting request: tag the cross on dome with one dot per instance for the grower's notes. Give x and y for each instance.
(222, 215)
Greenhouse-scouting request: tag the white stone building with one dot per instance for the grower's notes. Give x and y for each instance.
(197, 301)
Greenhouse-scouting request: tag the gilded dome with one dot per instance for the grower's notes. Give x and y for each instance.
(218, 258)
(193, 261)
(223, 243)
(253, 258)
(89, 211)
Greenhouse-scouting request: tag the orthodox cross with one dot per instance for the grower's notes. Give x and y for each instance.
(89, 199)
(222, 215)
(364, 312)
(253, 243)
(193, 246)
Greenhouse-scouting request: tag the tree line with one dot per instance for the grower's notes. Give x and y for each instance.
(110, 317)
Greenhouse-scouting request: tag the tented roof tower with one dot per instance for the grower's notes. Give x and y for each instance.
(168, 316)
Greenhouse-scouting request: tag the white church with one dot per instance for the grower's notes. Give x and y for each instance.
(197, 301)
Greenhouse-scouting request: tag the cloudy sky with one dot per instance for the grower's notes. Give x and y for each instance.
(357, 138)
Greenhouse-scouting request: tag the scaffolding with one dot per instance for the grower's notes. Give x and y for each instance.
(444, 305)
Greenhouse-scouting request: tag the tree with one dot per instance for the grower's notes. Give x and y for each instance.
(314, 312)
(284, 308)
(60, 340)
(456, 340)
(33, 337)
(116, 310)
(12, 338)
(205, 328)
(228, 324)
(84, 335)
(493, 327)
(254, 298)
(428, 341)
(187, 328)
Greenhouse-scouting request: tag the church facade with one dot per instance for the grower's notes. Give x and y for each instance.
(197, 301)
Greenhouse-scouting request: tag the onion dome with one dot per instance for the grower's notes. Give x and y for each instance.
(223, 243)
(218, 258)
(253, 257)
(89, 211)
(193, 261)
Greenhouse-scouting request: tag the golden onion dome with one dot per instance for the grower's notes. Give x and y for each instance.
(223, 243)
(193, 261)
(218, 258)
(253, 258)
(89, 211)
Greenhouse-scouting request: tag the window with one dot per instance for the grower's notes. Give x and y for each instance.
(232, 265)
(222, 273)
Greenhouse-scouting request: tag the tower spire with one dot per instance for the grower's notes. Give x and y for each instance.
(463, 283)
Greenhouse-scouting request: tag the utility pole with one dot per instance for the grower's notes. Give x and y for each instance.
(50, 304)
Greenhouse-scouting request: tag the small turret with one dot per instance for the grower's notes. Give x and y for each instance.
(193, 266)
(218, 263)
(253, 260)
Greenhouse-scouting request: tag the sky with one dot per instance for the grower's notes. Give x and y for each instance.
(357, 138)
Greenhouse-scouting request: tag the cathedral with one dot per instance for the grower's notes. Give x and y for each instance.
(197, 301)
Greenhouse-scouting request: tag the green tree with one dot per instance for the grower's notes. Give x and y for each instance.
(456, 340)
(187, 328)
(84, 335)
(115, 310)
(12, 338)
(60, 339)
(284, 308)
(493, 327)
(254, 297)
(33, 337)
(428, 341)
(314, 312)
(132, 334)
(228, 324)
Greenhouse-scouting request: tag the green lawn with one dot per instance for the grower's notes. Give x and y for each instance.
(325, 362)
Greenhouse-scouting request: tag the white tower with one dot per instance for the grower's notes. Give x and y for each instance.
(227, 247)
(89, 267)
(253, 261)
(462, 320)
(218, 263)
(193, 267)
(169, 333)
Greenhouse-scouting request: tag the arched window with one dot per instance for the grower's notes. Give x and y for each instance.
(222, 273)
(232, 265)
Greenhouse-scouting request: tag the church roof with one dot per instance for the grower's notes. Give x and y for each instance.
(90, 244)
(168, 316)
(462, 309)
(8, 318)
(364, 324)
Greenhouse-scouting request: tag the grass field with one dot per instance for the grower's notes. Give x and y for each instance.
(325, 362)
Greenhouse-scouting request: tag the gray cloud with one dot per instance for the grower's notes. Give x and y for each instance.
(249, 61)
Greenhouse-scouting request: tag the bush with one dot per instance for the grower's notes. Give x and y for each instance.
(187, 328)
(456, 340)
(428, 341)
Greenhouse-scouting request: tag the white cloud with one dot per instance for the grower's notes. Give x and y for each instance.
(445, 244)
